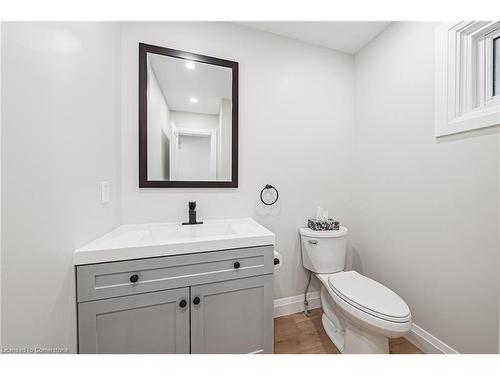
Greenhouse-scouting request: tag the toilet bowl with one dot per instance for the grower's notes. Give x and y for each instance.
(359, 314)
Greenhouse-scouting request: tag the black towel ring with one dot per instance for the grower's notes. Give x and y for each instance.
(266, 188)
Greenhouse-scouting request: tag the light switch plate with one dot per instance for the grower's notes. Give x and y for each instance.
(104, 192)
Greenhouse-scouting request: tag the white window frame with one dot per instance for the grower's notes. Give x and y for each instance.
(464, 77)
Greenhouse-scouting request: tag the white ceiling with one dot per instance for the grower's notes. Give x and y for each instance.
(207, 83)
(344, 36)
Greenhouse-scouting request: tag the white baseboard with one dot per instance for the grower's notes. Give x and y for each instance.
(295, 304)
(417, 336)
(427, 343)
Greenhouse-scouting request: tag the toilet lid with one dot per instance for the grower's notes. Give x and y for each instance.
(369, 296)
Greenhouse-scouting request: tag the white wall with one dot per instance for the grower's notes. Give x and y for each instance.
(193, 163)
(295, 124)
(225, 138)
(193, 158)
(61, 136)
(192, 120)
(425, 210)
(158, 122)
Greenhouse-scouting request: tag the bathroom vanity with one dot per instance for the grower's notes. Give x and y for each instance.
(168, 288)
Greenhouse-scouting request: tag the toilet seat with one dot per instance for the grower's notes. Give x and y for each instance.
(369, 297)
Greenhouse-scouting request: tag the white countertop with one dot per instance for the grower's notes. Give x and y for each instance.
(134, 241)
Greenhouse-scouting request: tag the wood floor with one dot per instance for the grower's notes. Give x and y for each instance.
(297, 334)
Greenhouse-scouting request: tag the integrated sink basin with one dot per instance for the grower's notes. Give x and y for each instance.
(135, 241)
(167, 232)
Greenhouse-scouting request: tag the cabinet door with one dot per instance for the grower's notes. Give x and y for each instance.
(233, 316)
(142, 323)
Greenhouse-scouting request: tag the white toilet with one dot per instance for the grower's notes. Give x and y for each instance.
(359, 314)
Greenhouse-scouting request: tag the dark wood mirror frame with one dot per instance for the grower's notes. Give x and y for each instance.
(144, 49)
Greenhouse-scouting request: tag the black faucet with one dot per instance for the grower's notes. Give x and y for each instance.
(192, 214)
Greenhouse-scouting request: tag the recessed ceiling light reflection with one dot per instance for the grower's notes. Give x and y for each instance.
(190, 65)
(193, 100)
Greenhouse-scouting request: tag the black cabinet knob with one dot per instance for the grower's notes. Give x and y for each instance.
(276, 261)
(183, 303)
(134, 278)
(196, 300)
(236, 265)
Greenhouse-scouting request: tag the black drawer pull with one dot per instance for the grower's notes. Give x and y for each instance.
(236, 265)
(183, 303)
(134, 278)
(276, 261)
(196, 300)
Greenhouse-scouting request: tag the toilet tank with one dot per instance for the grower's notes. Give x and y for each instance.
(324, 251)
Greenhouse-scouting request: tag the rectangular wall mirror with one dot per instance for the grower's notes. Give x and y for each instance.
(188, 119)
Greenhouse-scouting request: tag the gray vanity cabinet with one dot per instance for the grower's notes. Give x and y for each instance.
(213, 302)
(143, 323)
(233, 316)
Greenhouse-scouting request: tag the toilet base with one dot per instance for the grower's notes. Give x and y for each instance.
(359, 341)
(347, 337)
(337, 336)
(355, 341)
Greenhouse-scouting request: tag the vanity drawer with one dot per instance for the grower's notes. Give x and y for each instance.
(105, 280)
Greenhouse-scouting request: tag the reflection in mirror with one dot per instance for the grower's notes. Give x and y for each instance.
(189, 120)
